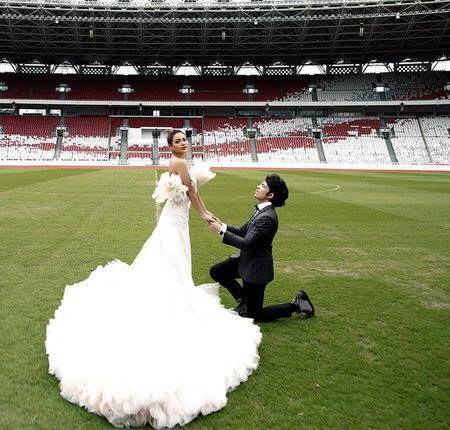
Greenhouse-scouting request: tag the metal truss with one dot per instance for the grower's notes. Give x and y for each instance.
(219, 38)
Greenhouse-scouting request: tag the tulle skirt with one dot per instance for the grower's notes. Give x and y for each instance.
(141, 344)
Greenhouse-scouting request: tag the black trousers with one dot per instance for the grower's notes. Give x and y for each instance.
(226, 273)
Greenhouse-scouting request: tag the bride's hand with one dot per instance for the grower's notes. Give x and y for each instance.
(208, 217)
(214, 217)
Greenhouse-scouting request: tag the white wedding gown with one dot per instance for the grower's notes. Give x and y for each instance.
(141, 343)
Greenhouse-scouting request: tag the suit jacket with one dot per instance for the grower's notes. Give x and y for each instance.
(254, 239)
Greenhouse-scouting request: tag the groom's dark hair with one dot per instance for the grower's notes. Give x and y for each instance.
(278, 187)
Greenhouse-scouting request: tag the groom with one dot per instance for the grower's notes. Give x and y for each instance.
(254, 263)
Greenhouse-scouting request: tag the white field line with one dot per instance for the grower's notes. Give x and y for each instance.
(157, 205)
(336, 187)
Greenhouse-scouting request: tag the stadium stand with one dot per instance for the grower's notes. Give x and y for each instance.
(27, 138)
(345, 139)
(286, 140)
(416, 86)
(402, 86)
(224, 139)
(347, 88)
(87, 139)
(353, 140)
(16, 147)
(436, 132)
(407, 141)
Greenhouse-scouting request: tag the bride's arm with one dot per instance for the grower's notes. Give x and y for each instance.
(204, 207)
(182, 170)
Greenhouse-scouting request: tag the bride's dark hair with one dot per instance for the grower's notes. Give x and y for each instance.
(171, 134)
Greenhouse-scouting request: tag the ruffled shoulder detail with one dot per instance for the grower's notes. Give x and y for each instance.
(170, 187)
(201, 173)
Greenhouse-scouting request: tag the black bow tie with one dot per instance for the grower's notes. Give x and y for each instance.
(257, 208)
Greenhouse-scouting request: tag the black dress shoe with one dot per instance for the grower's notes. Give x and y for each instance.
(236, 308)
(303, 304)
(241, 309)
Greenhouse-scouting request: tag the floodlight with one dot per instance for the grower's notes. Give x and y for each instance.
(250, 89)
(186, 89)
(63, 88)
(125, 89)
(380, 88)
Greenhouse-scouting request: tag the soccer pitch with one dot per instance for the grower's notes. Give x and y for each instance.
(371, 249)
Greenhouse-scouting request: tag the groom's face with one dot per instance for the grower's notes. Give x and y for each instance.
(262, 192)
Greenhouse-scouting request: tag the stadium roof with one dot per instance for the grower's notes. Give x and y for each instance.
(231, 33)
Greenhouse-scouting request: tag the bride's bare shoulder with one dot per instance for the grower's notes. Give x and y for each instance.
(176, 164)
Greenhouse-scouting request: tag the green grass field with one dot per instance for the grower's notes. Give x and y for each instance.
(371, 249)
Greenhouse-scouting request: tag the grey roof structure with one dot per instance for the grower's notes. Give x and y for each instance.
(226, 33)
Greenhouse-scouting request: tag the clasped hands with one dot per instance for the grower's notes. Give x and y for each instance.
(214, 223)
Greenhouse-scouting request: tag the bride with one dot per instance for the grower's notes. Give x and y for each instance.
(140, 343)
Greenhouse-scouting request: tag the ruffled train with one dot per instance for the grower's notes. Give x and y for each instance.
(119, 356)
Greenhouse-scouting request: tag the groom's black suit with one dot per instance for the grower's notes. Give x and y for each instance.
(254, 265)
